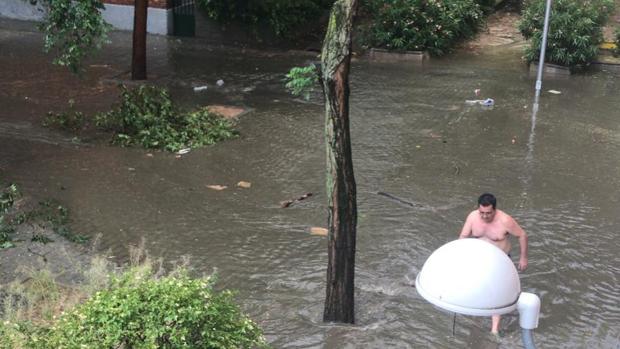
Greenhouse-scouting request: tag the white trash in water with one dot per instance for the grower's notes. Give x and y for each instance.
(220, 83)
(200, 88)
(484, 102)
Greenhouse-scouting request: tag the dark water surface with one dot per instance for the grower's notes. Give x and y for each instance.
(413, 137)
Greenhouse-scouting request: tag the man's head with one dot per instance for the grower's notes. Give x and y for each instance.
(486, 206)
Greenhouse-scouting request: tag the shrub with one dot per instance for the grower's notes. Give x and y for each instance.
(432, 25)
(574, 30)
(487, 6)
(140, 307)
(282, 16)
(138, 311)
(147, 117)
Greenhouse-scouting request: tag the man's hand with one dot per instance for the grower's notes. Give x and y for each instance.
(522, 263)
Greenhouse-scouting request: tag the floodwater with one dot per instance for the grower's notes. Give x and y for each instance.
(413, 136)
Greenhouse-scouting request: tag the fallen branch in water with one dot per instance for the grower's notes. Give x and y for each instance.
(399, 200)
(287, 203)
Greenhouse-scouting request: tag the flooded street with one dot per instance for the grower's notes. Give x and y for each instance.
(413, 136)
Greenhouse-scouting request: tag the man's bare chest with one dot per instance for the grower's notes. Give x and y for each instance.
(494, 232)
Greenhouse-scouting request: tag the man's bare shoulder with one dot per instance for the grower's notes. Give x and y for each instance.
(473, 215)
(507, 221)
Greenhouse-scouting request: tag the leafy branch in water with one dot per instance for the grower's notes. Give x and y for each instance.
(71, 120)
(300, 81)
(73, 29)
(147, 117)
(49, 213)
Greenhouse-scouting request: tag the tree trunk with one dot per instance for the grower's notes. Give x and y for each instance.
(138, 59)
(341, 192)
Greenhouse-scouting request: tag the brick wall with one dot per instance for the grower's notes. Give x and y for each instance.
(152, 3)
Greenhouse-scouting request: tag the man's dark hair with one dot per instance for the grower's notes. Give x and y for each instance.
(487, 199)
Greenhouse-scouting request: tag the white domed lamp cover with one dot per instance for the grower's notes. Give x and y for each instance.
(474, 277)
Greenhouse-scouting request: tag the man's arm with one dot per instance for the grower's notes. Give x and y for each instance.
(516, 230)
(466, 231)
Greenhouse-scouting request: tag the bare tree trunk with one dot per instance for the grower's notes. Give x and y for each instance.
(341, 191)
(138, 59)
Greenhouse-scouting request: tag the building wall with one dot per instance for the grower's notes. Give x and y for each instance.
(152, 3)
(119, 13)
(159, 20)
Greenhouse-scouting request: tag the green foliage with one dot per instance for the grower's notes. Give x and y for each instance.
(147, 117)
(432, 25)
(8, 195)
(302, 80)
(282, 16)
(52, 214)
(574, 30)
(70, 120)
(138, 310)
(487, 6)
(7, 198)
(73, 29)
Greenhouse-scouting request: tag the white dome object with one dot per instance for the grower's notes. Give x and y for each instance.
(471, 277)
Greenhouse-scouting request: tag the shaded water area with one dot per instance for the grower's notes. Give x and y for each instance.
(413, 137)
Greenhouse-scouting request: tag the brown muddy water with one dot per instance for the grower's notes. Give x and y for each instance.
(413, 137)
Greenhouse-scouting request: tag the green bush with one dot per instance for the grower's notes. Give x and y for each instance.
(487, 6)
(282, 16)
(575, 30)
(138, 310)
(435, 26)
(147, 117)
(174, 312)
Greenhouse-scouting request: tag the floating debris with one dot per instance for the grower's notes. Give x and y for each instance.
(244, 184)
(184, 151)
(318, 231)
(287, 203)
(216, 187)
(555, 92)
(489, 102)
(200, 88)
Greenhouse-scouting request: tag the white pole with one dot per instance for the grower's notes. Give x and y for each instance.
(543, 47)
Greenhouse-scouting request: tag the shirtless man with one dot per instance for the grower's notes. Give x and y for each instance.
(492, 225)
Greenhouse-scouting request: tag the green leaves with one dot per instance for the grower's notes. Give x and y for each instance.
(574, 30)
(139, 310)
(73, 29)
(435, 26)
(302, 80)
(281, 16)
(8, 195)
(147, 117)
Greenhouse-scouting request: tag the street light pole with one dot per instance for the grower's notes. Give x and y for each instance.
(543, 47)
